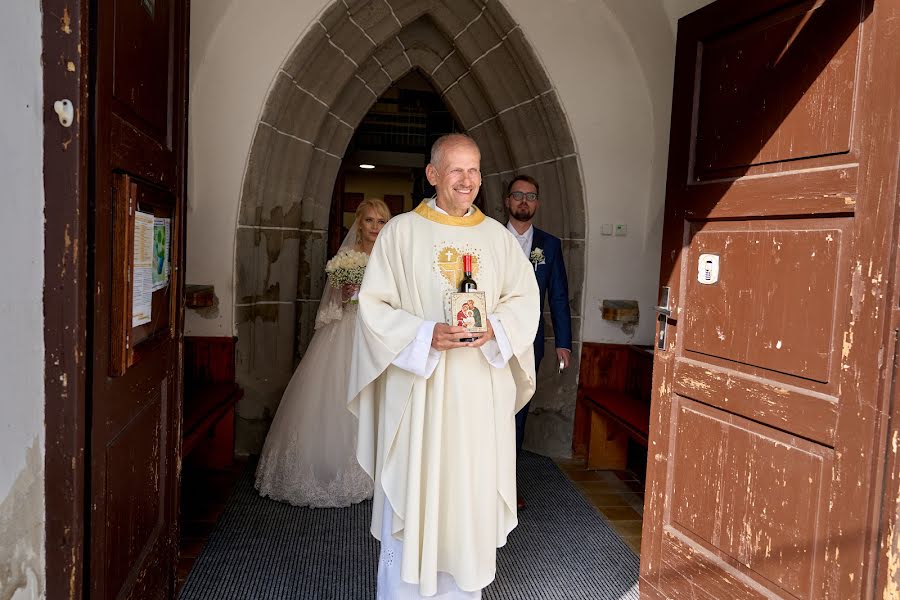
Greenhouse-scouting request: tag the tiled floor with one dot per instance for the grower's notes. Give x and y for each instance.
(618, 495)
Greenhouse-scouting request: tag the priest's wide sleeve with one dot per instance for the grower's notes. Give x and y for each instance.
(383, 328)
(518, 309)
(387, 322)
(419, 358)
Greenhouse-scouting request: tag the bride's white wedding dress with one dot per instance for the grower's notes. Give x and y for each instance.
(309, 458)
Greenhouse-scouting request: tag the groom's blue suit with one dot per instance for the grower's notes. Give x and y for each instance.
(552, 281)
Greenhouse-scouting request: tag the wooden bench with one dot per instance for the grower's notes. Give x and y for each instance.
(210, 397)
(613, 403)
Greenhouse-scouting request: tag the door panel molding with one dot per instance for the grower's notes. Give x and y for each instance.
(773, 304)
(771, 73)
(736, 392)
(754, 522)
(825, 191)
(143, 496)
(142, 75)
(142, 155)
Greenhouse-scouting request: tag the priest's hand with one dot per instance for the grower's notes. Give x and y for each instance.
(446, 337)
(483, 338)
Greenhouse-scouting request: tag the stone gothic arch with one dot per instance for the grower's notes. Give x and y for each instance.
(477, 57)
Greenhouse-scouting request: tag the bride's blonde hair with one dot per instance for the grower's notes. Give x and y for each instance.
(380, 208)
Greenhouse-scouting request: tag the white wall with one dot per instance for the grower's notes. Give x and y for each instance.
(675, 9)
(21, 307)
(610, 60)
(593, 66)
(237, 47)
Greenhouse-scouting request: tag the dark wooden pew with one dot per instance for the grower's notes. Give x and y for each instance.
(210, 397)
(613, 403)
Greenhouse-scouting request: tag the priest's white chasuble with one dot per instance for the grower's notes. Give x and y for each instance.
(441, 449)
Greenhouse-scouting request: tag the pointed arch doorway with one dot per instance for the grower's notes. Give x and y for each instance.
(387, 154)
(487, 75)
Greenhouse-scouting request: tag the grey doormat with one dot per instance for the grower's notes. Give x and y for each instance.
(264, 550)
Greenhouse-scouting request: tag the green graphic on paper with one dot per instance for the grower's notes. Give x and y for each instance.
(160, 270)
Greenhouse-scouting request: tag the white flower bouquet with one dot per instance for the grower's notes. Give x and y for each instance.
(347, 268)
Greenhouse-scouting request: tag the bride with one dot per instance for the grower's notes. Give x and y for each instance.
(309, 458)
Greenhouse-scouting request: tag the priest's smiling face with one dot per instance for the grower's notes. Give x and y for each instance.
(457, 178)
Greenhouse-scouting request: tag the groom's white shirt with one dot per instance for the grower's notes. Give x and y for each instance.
(421, 359)
(525, 239)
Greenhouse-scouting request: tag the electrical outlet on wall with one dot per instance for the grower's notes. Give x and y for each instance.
(621, 229)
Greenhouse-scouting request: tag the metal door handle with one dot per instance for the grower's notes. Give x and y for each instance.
(664, 313)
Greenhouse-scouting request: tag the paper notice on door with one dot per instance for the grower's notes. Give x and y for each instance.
(142, 276)
(161, 243)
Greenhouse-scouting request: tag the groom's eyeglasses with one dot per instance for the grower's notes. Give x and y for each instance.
(519, 196)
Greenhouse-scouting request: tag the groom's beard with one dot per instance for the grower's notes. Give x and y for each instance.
(521, 213)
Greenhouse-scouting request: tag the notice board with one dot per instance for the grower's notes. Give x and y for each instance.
(144, 252)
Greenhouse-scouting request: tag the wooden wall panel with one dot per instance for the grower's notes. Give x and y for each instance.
(760, 103)
(139, 496)
(773, 305)
(735, 491)
(142, 73)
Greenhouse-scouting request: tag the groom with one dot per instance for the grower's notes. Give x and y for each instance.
(545, 253)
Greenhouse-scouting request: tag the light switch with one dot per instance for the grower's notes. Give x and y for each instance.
(621, 229)
(606, 229)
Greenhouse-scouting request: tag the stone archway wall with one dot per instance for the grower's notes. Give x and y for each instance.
(490, 79)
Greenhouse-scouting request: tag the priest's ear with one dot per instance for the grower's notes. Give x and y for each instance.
(431, 173)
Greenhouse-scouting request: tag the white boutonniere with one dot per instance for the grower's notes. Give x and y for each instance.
(537, 257)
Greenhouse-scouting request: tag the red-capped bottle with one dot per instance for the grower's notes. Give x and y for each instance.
(467, 284)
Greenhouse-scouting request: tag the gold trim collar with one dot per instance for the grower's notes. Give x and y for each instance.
(423, 210)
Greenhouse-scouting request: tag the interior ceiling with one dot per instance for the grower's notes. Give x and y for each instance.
(401, 125)
(383, 166)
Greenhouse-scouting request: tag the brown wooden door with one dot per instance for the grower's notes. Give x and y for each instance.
(135, 415)
(767, 445)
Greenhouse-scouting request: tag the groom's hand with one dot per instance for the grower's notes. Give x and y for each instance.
(446, 337)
